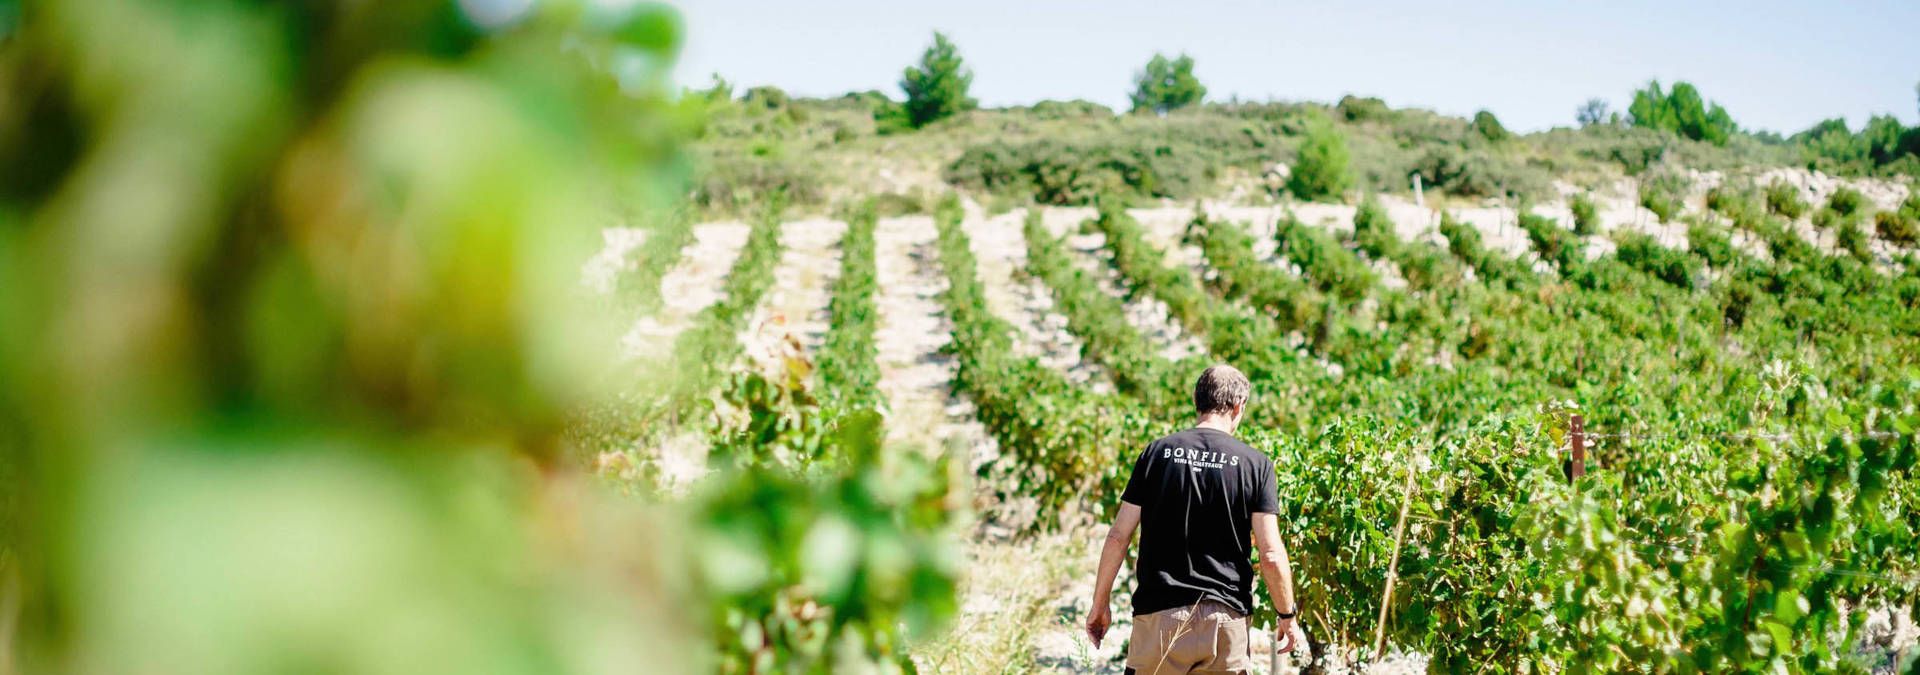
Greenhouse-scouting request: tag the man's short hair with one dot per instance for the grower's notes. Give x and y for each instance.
(1220, 389)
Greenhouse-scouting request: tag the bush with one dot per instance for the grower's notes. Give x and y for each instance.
(1489, 127)
(1357, 109)
(765, 97)
(1166, 84)
(734, 182)
(1826, 218)
(937, 87)
(1586, 215)
(1853, 240)
(1321, 171)
(1784, 200)
(1900, 226)
(1075, 171)
(1469, 173)
(1847, 201)
(1670, 265)
(1374, 231)
(1068, 110)
(1664, 195)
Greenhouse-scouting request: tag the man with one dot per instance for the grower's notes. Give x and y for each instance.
(1195, 496)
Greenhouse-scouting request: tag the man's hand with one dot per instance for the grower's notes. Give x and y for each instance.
(1288, 637)
(1119, 537)
(1098, 619)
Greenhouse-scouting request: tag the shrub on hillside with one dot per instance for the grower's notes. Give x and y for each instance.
(1489, 127)
(1826, 218)
(765, 97)
(1373, 229)
(1358, 109)
(1664, 194)
(1671, 265)
(733, 183)
(1586, 215)
(1075, 171)
(1321, 170)
(1069, 110)
(1784, 200)
(1847, 201)
(1853, 240)
(1683, 112)
(937, 87)
(1902, 225)
(1477, 173)
(1166, 84)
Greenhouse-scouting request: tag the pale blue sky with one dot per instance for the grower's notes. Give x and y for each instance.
(1775, 65)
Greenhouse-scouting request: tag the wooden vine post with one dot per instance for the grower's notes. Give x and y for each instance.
(1577, 437)
(1393, 563)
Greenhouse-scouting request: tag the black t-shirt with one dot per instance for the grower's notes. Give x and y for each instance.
(1197, 491)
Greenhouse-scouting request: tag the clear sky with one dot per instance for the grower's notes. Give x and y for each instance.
(1774, 64)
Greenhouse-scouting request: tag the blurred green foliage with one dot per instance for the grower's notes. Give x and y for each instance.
(1884, 147)
(290, 329)
(1321, 171)
(1682, 111)
(1166, 84)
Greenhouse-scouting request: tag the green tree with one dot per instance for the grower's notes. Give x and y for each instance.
(1166, 84)
(1831, 146)
(1488, 126)
(937, 87)
(1881, 138)
(1682, 111)
(1322, 168)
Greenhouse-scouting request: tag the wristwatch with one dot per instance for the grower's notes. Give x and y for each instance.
(1289, 615)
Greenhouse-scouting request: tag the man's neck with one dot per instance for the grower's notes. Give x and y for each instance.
(1220, 423)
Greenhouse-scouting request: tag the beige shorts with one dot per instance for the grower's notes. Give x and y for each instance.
(1207, 637)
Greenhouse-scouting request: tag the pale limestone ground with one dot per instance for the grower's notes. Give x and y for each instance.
(1041, 332)
(601, 270)
(687, 288)
(1889, 635)
(795, 308)
(1146, 314)
(914, 376)
(1009, 620)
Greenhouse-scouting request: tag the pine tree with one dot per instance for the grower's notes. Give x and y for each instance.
(937, 87)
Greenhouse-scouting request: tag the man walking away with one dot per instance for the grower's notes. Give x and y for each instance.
(1195, 496)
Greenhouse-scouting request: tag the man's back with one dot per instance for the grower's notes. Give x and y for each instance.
(1197, 491)
(1196, 498)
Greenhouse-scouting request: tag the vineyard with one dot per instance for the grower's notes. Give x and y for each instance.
(1747, 392)
(453, 337)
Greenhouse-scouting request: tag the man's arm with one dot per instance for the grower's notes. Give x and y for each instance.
(1277, 571)
(1112, 553)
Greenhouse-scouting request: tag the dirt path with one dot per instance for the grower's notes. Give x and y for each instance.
(1001, 250)
(689, 287)
(1148, 315)
(914, 376)
(795, 308)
